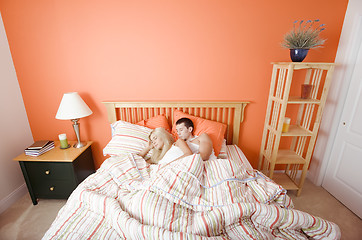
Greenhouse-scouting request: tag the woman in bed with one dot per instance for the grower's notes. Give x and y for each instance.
(165, 149)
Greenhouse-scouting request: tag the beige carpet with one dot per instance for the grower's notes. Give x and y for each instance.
(25, 221)
(28, 222)
(318, 202)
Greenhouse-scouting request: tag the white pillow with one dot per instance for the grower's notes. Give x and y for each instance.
(127, 138)
(222, 153)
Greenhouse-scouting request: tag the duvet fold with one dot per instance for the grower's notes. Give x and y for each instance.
(187, 199)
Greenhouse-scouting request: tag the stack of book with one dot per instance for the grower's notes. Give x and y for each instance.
(39, 147)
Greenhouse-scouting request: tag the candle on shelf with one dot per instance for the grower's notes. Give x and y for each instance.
(286, 125)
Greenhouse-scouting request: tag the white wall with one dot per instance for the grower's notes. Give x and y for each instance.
(14, 128)
(345, 60)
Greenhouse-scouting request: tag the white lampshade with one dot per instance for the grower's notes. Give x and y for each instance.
(72, 106)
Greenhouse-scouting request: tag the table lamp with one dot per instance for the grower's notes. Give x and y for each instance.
(72, 107)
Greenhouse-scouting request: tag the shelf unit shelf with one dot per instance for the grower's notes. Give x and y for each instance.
(284, 180)
(295, 130)
(302, 133)
(298, 100)
(286, 156)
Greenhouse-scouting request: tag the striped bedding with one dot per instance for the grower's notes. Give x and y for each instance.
(188, 199)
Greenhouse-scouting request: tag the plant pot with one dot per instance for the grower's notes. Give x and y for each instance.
(298, 54)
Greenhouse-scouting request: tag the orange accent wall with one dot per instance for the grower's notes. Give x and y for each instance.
(154, 50)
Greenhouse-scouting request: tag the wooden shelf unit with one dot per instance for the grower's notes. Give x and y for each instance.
(293, 154)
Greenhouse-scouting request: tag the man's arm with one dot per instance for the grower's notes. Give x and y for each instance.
(205, 148)
(184, 147)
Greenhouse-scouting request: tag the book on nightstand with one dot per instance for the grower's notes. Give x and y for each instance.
(39, 147)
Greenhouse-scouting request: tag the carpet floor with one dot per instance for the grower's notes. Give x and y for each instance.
(25, 221)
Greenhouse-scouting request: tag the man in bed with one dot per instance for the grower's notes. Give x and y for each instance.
(198, 144)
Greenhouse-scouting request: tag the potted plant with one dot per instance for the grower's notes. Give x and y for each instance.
(303, 37)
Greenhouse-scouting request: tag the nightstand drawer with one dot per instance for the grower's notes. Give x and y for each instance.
(43, 171)
(54, 188)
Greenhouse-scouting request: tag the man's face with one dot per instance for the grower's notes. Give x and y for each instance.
(183, 132)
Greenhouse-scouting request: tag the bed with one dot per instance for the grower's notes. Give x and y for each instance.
(223, 198)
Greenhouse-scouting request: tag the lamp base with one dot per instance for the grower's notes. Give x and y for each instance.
(79, 144)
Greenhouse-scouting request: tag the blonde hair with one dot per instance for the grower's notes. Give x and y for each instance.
(168, 140)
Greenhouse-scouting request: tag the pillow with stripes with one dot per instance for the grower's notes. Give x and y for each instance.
(127, 138)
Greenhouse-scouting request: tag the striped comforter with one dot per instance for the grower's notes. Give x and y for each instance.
(187, 199)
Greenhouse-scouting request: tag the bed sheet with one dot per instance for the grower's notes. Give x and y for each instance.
(188, 199)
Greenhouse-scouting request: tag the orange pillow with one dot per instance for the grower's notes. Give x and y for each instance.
(215, 130)
(155, 122)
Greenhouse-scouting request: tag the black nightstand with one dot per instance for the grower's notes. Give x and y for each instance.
(56, 173)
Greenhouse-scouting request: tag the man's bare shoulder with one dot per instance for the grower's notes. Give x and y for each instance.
(204, 137)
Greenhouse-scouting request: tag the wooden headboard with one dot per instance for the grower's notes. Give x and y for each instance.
(230, 113)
